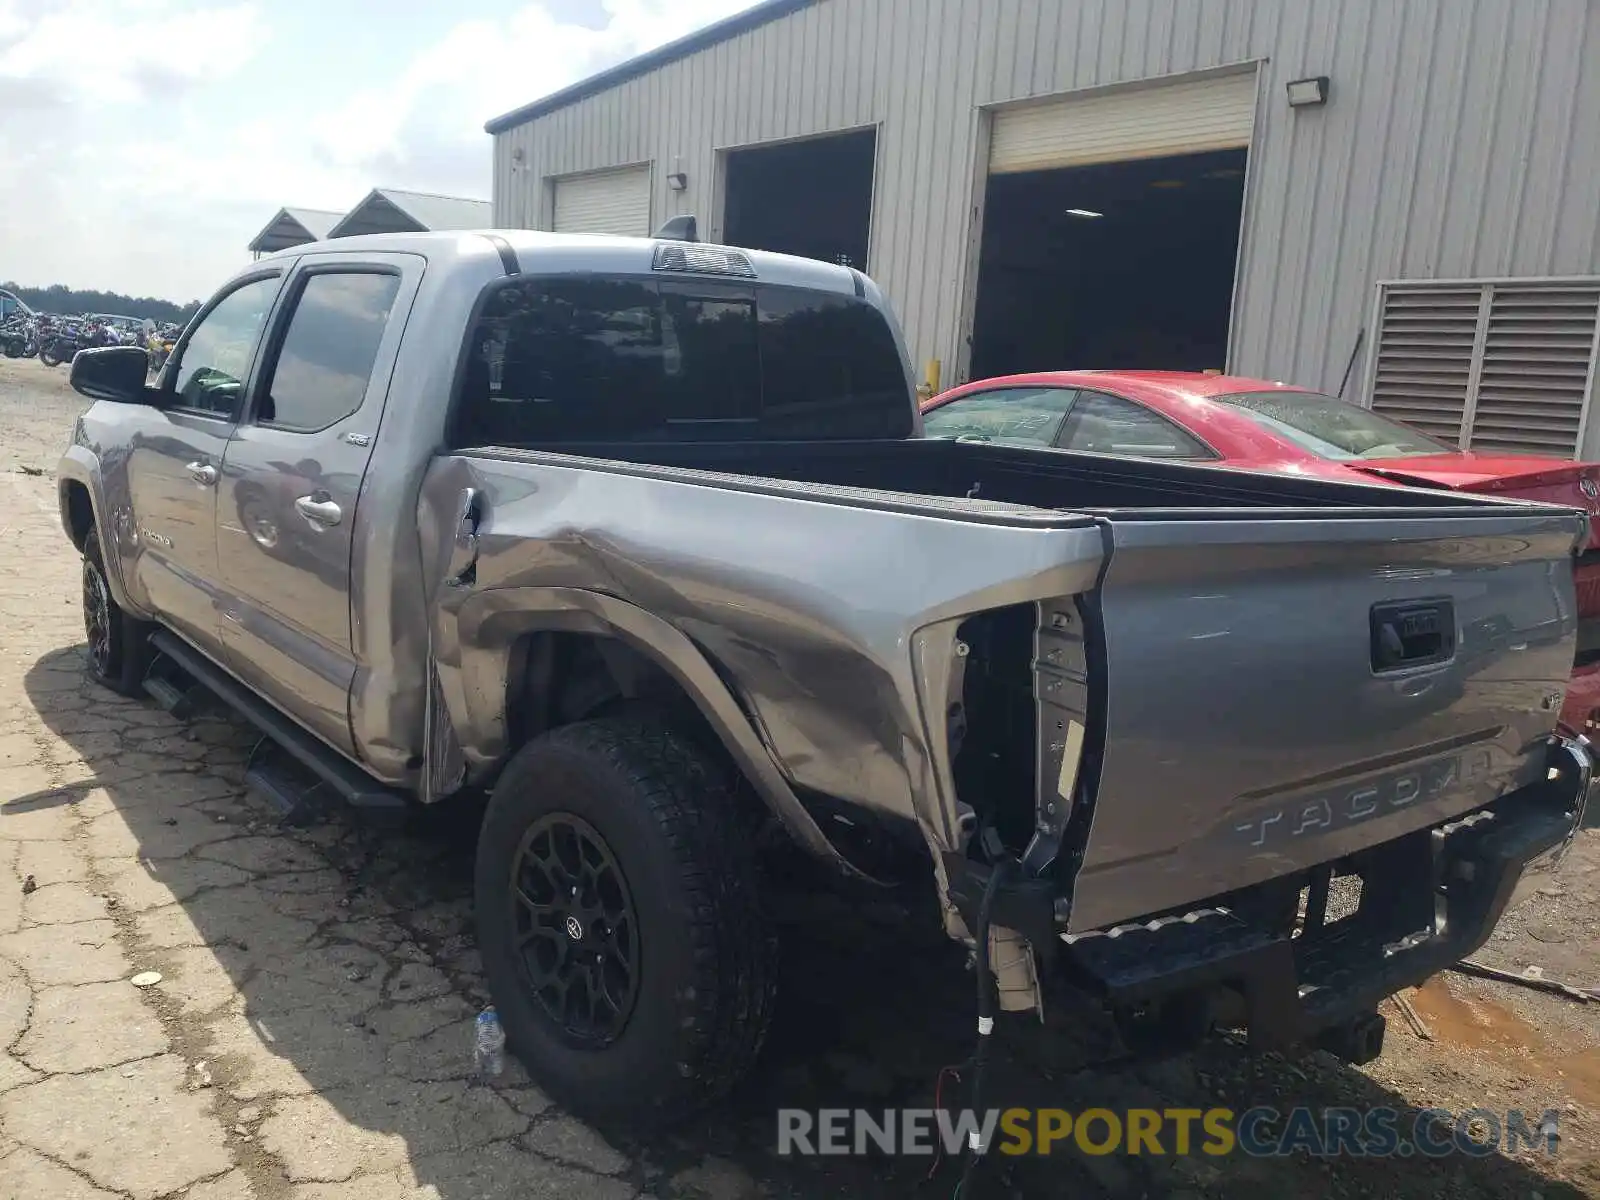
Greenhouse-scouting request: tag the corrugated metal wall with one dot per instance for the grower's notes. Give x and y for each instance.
(1462, 139)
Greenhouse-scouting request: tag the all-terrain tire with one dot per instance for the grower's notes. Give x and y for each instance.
(119, 645)
(707, 956)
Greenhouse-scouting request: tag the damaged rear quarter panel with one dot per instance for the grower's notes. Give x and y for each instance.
(805, 602)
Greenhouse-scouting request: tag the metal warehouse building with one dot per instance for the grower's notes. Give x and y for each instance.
(1396, 199)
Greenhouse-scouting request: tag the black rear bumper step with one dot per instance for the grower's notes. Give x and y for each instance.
(1326, 982)
(338, 772)
(1427, 900)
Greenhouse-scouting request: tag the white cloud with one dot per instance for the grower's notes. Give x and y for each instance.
(136, 161)
(482, 68)
(119, 51)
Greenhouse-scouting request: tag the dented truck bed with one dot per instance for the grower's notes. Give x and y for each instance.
(1211, 692)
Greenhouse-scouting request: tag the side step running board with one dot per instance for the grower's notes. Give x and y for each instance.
(285, 785)
(338, 772)
(181, 702)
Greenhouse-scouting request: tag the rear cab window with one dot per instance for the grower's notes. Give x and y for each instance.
(568, 359)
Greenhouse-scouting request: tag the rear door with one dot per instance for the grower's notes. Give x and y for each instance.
(1284, 688)
(292, 479)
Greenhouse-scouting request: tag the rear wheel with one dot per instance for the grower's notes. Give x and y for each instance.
(119, 647)
(619, 920)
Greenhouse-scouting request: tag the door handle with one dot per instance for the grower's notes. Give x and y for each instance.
(203, 473)
(319, 508)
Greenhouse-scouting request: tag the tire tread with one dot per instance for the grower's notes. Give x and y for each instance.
(691, 804)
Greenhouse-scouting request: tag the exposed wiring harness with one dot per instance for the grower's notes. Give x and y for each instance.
(976, 1150)
(938, 1104)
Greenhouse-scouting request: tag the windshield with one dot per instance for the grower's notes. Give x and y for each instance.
(1331, 428)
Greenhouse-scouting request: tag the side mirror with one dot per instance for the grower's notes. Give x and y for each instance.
(114, 373)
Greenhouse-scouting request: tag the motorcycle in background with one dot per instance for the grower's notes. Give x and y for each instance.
(72, 335)
(159, 343)
(19, 337)
(61, 343)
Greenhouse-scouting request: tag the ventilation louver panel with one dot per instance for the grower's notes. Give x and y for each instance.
(1496, 365)
(1425, 358)
(1535, 369)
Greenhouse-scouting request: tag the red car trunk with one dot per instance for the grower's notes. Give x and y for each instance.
(1574, 485)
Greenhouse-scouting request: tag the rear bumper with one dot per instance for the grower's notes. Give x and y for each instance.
(1282, 962)
(1426, 901)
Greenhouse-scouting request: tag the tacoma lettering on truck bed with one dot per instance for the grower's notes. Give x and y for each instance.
(644, 537)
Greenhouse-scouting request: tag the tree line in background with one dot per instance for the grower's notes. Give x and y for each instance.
(71, 301)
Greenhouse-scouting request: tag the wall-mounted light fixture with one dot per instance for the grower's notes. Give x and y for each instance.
(677, 181)
(1308, 93)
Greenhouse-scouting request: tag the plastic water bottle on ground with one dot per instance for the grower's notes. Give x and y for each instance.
(489, 1045)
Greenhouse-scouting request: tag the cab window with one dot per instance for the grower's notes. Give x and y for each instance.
(216, 358)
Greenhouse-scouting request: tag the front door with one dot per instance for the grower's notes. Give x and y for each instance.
(292, 478)
(175, 462)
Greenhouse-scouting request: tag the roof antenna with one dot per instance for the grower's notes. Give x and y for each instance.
(679, 229)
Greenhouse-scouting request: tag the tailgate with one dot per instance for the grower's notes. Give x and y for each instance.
(1280, 689)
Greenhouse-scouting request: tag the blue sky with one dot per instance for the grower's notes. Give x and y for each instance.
(144, 142)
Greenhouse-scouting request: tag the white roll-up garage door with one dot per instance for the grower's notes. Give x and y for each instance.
(1151, 122)
(606, 202)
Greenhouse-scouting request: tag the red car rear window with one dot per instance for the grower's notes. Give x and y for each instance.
(1331, 428)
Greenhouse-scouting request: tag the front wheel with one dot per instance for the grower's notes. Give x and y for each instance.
(118, 645)
(49, 356)
(619, 920)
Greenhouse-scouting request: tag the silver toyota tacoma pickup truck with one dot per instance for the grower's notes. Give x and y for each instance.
(643, 537)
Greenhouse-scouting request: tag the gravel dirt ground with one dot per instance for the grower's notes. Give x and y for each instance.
(309, 1038)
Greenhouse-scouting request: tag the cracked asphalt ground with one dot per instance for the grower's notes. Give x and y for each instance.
(310, 1036)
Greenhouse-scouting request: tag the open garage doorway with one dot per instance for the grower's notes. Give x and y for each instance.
(1115, 265)
(811, 197)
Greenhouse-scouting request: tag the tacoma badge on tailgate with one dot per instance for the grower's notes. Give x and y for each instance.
(1336, 808)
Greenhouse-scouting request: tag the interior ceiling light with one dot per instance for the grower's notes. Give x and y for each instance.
(1083, 212)
(1167, 184)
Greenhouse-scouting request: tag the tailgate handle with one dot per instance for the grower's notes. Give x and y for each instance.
(1412, 633)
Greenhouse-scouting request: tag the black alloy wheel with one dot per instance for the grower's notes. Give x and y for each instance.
(576, 931)
(97, 617)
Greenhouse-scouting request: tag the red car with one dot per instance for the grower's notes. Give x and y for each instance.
(1264, 426)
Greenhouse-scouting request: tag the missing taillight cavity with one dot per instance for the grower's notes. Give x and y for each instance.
(994, 766)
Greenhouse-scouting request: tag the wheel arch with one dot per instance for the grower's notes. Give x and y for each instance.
(502, 635)
(82, 505)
